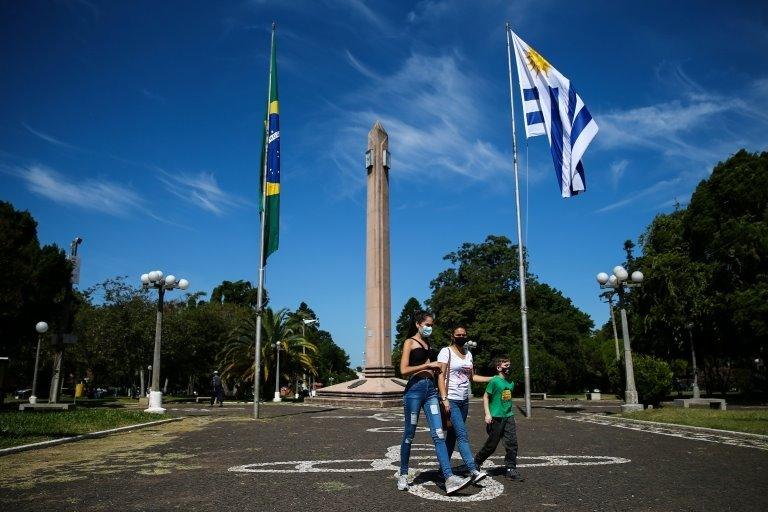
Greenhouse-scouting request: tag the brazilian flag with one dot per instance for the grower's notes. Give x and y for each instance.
(271, 151)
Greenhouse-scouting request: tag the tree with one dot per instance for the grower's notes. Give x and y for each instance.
(237, 292)
(35, 286)
(707, 265)
(403, 328)
(237, 357)
(481, 291)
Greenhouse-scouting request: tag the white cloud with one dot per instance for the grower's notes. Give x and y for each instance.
(696, 128)
(656, 188)
(617, 171)
(365, 71)
(361, 9)
(90, 194)
(424, 108)
(427, 10)
(200, 190)
(50, 139)
(152, 96)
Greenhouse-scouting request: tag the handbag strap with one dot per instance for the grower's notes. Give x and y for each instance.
(448, 371)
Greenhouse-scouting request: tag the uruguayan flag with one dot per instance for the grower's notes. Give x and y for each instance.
(552, 107)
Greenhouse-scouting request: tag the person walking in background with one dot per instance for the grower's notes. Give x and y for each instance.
(419, 365)
(217, 390)
(500, 419)
(457, 369)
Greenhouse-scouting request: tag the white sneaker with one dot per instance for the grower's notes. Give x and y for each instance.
(478, 475)
(402, 482)
(453, 483)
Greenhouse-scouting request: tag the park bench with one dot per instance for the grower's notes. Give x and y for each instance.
(538, 396)
(204, 398)
(712, 403)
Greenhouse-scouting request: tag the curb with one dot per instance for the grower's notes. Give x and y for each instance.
(81, 437)
(677, 425)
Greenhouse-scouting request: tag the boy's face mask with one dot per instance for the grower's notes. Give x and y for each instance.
(505, 369)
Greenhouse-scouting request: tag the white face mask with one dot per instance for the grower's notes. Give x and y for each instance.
(426, 331)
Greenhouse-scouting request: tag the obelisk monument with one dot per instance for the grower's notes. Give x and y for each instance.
(378, 302)
(379, 387)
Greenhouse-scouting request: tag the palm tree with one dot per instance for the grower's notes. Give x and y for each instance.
(237, 356)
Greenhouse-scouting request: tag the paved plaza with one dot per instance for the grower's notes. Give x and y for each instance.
(323, 458)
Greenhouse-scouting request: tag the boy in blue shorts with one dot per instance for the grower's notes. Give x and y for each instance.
(500, 419)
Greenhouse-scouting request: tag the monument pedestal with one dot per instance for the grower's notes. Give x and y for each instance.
(374, 392)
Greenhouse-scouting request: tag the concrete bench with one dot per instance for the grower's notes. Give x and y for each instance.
(712, 403)
(198, 398)
(46, 407)
(538, 396)
(594, 396)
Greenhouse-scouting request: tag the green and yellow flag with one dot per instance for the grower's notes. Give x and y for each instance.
(271, 151)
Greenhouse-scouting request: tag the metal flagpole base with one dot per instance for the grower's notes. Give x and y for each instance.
(155, 402)
(277, 397)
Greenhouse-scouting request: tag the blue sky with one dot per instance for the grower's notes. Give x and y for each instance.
(135, 125)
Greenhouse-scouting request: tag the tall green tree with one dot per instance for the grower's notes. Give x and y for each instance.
(35, 287)
(707, 265)
(481, 291)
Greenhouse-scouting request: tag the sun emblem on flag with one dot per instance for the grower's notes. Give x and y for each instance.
(537, 62)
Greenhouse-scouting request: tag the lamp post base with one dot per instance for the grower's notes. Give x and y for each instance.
(33, 399)
(277, 397)
(696, 391)
(631, 407)
(155, 402)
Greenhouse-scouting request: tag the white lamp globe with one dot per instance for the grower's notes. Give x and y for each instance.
(637, 276)
(170, 280)
(41, 327)
(183, 284)
(602, 278)
(144, 278)
(613, 281)
(152, 276)
(620, 273)
(159, 275)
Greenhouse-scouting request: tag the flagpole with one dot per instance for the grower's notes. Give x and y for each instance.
(520, 248)
(260, 293)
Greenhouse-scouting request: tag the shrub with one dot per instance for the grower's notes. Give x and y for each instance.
(653, 378)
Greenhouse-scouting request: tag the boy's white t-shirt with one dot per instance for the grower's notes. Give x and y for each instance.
(460, 373)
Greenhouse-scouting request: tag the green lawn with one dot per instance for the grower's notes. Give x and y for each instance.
(752, 421)
(17, 428)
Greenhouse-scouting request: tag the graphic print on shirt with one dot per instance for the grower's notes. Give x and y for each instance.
(506, 395)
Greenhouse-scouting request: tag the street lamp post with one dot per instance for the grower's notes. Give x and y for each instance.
(279, 347)
(155, 279)
(696, 391)
(617, 282)
(41, 329)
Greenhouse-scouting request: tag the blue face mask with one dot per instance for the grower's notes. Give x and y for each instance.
(426, 331)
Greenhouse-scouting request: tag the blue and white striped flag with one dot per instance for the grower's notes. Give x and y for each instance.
(552, 107)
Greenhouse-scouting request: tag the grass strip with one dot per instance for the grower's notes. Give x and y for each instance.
(19, 428)
(751, 421)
